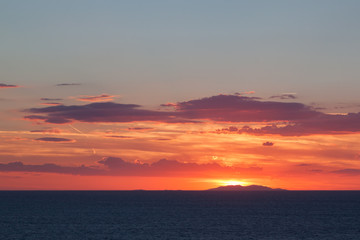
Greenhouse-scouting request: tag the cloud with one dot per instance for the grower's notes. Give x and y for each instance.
(139, 129)
(100, 112)
(348, 171)
(221, 108)
(246, 92)
(51, 99)
(304, 165)
(284, 96)
(120, 137)
(68, 84)
(281, 118)
(168, 105)
(99, 98)
(51, 104)
(3, 85)
(323, 124)
(50, 130)
(112, 166)
(235, 108)
(48, 168)
(54, 139)
(268, 144)
(35, 117)
(55, 120)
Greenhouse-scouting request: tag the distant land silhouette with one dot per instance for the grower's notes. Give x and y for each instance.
(245, 188)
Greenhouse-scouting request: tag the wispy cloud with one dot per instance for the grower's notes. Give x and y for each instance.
(3, 85)
(284, 96)
(67, 84)
(119, 136)
(54, 139)
(51, 99)
(51, 103)
(140, 128)
(99, 98)
(348, 171)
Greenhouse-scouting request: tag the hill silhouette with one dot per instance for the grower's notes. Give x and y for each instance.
(245, 188)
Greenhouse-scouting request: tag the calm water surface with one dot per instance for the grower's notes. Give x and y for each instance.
(179, 215)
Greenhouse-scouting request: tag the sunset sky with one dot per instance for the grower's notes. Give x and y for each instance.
(190, 95)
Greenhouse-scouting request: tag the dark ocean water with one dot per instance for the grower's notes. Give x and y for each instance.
(179, 215)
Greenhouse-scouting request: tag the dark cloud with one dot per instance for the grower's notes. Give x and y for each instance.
(35, 117)
(51, 99)
(119, 136)
(284, 96)
(268, 144)
(68, 84)
(323, 124)
(348, 171)
(234, 108)
(112, 166)
(139, 129)
(102, 112)
(48, 168)
(54, 139)
(304, 165)
(288, 119)
(226, 108)
(3, 85)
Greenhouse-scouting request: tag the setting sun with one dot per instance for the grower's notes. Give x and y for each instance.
(232, 182)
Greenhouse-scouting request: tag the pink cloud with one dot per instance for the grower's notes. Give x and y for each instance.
(98, 98)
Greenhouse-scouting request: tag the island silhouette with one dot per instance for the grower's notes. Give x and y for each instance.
(245, 188)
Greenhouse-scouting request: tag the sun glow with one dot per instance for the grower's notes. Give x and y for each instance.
(234, 182)
(231, 182)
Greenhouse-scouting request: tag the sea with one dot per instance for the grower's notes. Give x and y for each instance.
(207, 215)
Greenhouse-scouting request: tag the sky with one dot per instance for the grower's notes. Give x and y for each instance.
(179, 95)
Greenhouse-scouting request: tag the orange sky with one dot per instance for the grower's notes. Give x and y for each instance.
(179, 94)
(189, 156)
